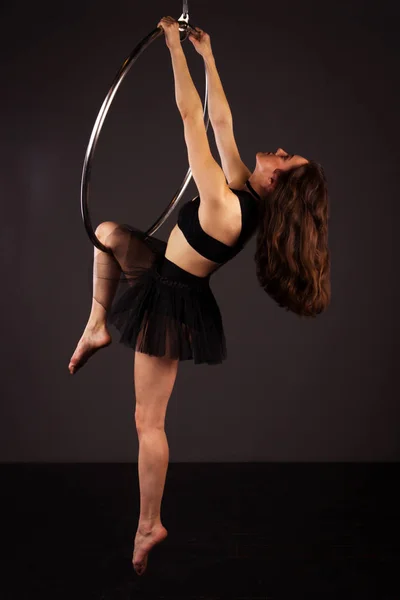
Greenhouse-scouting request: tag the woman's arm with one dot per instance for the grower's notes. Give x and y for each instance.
(218, 106)
(187, 97)
(207, 173)
(220, 113)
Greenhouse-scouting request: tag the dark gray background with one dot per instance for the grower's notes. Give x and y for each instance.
(318, 79)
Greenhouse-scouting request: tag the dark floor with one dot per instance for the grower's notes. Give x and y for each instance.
(236, 531)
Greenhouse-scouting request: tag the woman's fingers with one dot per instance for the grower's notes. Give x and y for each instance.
(170, 27)
(167, 21)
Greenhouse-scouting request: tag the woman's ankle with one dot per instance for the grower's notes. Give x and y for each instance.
(98, 316)
(148, 525)
(95, 324)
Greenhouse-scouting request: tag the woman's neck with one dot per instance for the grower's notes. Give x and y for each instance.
(253, 191)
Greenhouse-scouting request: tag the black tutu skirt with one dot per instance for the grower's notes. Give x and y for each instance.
(161, 309)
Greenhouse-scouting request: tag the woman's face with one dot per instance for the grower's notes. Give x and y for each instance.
(268, 162)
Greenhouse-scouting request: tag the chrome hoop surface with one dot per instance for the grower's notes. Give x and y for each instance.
(185, 28)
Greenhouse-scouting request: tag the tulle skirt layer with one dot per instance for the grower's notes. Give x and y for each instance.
(161, 309)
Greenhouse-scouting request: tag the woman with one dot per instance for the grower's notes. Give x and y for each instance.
(167, 311)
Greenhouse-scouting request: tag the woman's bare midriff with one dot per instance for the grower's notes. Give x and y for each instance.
(224, 223)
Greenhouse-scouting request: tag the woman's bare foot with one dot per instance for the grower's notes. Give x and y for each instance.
(144, 541)
(93, 339)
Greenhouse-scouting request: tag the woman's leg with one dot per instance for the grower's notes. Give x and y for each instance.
(154, 379)
(130, 249)
(106, 275)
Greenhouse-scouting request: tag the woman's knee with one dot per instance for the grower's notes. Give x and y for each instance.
(105, 229)
(154, 379)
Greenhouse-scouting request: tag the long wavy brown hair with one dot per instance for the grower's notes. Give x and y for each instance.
(292, 255)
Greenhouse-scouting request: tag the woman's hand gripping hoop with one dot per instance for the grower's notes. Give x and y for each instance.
(177, 30)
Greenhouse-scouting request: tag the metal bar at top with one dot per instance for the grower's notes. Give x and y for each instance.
(185, 7)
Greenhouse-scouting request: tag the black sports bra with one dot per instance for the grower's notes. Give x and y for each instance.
(209, 247)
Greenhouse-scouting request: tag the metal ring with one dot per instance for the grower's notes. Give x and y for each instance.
(185, 29)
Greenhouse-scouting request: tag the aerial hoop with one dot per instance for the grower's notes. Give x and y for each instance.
(185, 28)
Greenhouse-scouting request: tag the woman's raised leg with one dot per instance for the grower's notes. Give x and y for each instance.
(106, 275)
(130, 248)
